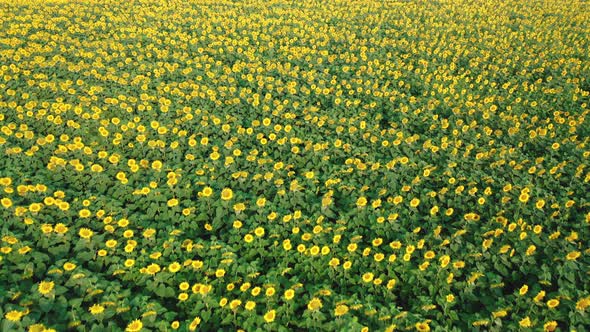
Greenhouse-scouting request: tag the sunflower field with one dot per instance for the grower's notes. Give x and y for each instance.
(282, 165)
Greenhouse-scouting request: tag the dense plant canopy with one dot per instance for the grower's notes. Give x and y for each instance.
(294, 165)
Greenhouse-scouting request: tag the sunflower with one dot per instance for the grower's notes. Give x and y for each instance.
(35, 207)
(289, 294)
(45, 287)
(287, 245)
(340, 310)
(13, 316)
(539, 296)
(134, 326)
(84, 213)
(315, 304)
(235, 304)
(391, 283)
(368, 277)
(361, 202)
(523, 198)
(525, 322)
(85, 233)
(259, 231)
(194, 324)
(60, 228)
(96, 309)
(227, 194)
(207, 191)
(531, 250)
(422, 327)
(270, 316)
(261, 202)
(24, 250)
(239, 207)
(429, 254)
(552, 303)
(572, 256)
(250, 305)
(153, 268)
(223, 302)
(157, 165)
(69, 266)
(314, 251)
(395, 245)
(174, 267)
(214, 155)
(550, 326)
(499, 314)
(6, 202)
(270, 291)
